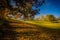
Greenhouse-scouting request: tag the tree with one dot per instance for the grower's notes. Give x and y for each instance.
(5, 28)
(58, 19)
(23, 6)
(41, 18)
(27, 5)
(4, 7)
(50, 18)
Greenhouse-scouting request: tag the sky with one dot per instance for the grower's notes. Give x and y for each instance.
(50, 7)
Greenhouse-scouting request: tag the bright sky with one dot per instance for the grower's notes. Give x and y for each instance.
(50, 7)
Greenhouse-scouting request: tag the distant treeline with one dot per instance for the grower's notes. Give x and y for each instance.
(49, 17)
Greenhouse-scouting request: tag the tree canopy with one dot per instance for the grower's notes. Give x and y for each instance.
(25, 7)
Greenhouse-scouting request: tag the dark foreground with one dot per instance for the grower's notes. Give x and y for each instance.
(28, 33)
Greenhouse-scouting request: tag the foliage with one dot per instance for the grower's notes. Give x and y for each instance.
(50, 18)
(23, 6)
(58, 19)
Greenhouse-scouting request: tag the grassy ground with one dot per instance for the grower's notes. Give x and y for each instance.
(30, 30)
(49, 24)
(45, 24)
(41, 23)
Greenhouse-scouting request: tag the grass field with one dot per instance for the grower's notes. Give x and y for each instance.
(46, 24)
(31, 30)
